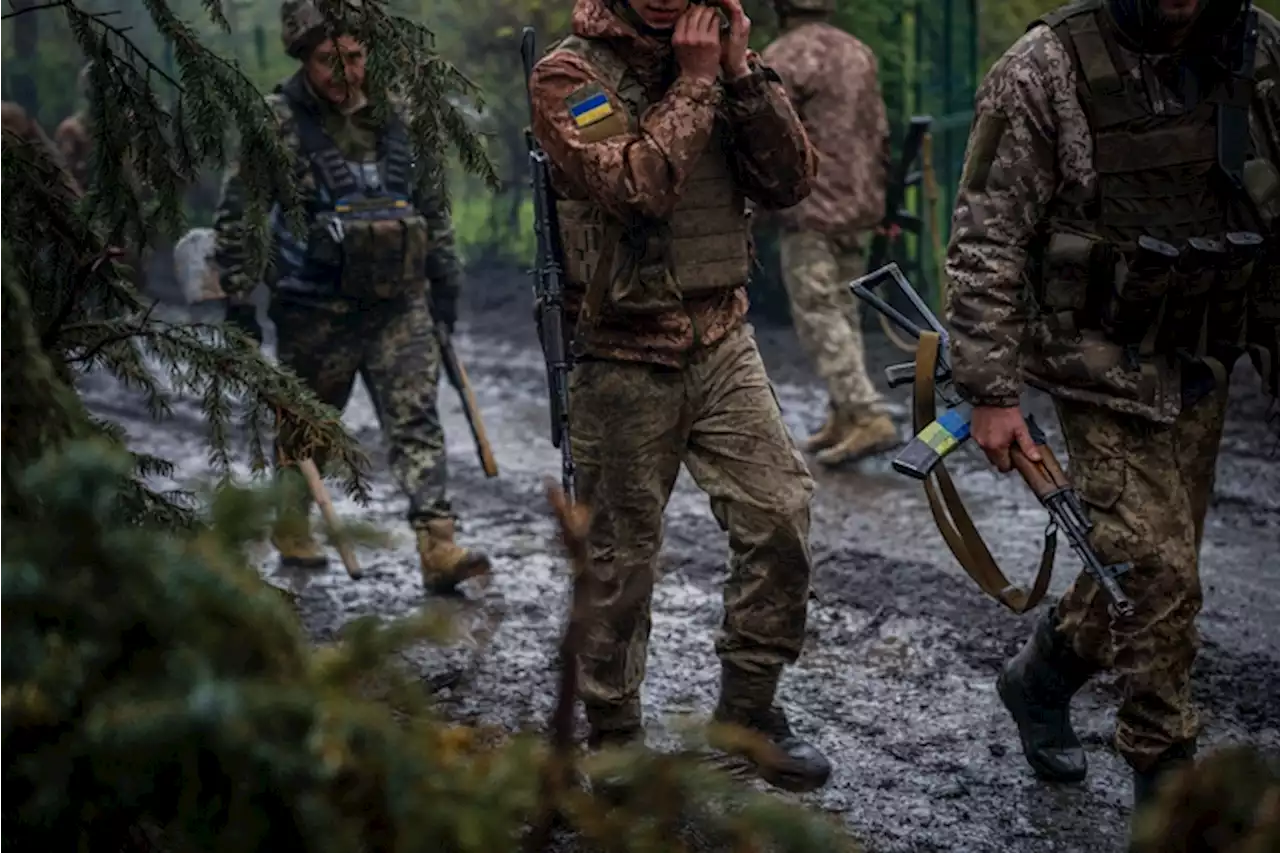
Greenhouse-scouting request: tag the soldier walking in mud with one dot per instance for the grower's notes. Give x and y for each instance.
(1117, 168)
(832, 80)
(359, 291)
(659, 128)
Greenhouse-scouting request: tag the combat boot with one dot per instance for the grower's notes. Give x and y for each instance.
(864, 435)
(829, 433)
(444, 563)
(1036, 685)
(1146, 783)
(612, 727)
(746, 700)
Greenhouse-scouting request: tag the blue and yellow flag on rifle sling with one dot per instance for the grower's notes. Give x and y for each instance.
(589, 105)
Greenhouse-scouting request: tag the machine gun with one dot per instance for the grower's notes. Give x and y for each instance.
(548, 283)
(937, 436)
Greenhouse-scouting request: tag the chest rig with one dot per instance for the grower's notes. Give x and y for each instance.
(1159, 258)
(365, 239)
(646, 265)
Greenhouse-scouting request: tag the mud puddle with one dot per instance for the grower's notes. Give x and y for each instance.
(896, 681)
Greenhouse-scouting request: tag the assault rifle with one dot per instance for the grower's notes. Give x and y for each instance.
(937, 436)
(898, 218)
(548, 285)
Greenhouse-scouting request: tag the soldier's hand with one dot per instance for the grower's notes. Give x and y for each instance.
(733, 56)
(444, 311)
(696, 42)
(996, 429)
(245, 318)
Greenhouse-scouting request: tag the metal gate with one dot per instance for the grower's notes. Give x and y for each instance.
(928, 53)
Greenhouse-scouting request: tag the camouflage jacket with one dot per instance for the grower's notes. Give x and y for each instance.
(75, 145)
(1043, 152)
(26, 129)
(833, 82)
(645, 172)
(356, 135)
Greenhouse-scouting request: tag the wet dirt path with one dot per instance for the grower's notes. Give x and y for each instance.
(896, 681)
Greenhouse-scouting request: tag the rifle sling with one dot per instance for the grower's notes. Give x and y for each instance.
(949, 513)
(597, 287)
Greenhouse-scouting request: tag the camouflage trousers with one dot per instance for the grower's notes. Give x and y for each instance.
(816, 272)
(393, 347)
(633, 425)
(1148, 489)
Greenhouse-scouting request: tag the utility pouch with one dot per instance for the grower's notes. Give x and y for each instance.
(1224, 326)
(1141, 280)
(1201, 265)
(383, 248)
(644, 281)
(1071, 265)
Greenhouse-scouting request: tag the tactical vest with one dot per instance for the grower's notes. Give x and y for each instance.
(365, 239)
(701, 248)
(1159, 258)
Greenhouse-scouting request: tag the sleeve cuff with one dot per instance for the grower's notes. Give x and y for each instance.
(699, 91)
(753, 85)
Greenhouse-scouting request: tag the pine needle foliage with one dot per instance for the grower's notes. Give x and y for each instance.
(158, 697)
(153, 131)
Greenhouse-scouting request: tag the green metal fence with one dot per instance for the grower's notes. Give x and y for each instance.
(938, 78)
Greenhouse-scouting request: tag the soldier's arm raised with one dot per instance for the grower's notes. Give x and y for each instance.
(1010, 174)
(774, 160)
(624, 172)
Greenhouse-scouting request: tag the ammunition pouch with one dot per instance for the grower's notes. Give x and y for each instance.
(380, 245)
(1069, 264)
(1140, 281)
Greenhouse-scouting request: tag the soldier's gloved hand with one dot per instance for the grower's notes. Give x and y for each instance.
(444, 310)
(245, 318)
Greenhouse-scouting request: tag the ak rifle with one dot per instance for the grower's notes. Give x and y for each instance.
(936, 436)
(548, 280)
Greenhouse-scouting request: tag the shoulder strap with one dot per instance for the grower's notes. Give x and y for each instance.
(320, 151)
(1054, 17)
(396, 153)
(949, 513)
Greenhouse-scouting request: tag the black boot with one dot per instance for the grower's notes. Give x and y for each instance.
(1036, 685)
(746, 700)
(1146, 783)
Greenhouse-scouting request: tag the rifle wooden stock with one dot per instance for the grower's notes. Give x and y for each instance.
(321, 496)
(1044, 477)
(457, 376)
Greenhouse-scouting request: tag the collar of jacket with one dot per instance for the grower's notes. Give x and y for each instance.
(299, 91)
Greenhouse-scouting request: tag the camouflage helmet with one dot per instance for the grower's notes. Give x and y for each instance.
(823, 7)
(302, 27)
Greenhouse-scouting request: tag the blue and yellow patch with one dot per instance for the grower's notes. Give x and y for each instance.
(589, 105)
(945, 433)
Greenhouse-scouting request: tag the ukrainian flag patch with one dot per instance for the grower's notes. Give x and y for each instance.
(589, 105)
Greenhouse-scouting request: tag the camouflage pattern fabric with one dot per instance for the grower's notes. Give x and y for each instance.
(833, 80)
(633, 425)
(1030, 143)
(1148, 490)
(356, 135)
(391, 345)
(816, 271)
(23, 128)
(641, 172)
(75, 145)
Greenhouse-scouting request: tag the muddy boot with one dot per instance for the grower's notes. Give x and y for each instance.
(444, 563)
(1146, 783)
(827, 434)
(746, 700)
(1036, 685)
(613, 727)
(861, 437)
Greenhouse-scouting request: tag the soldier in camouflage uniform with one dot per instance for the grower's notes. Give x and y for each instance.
(832, 80)
(72, 134)
(1114, 245)
(27, 130)
(360, 290)
(658, 135)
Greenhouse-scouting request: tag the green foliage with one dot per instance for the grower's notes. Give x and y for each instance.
(158, 696)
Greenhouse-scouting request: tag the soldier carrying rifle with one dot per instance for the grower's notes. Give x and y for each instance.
(1114, 245)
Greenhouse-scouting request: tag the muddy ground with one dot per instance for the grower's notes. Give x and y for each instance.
(896, 681)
